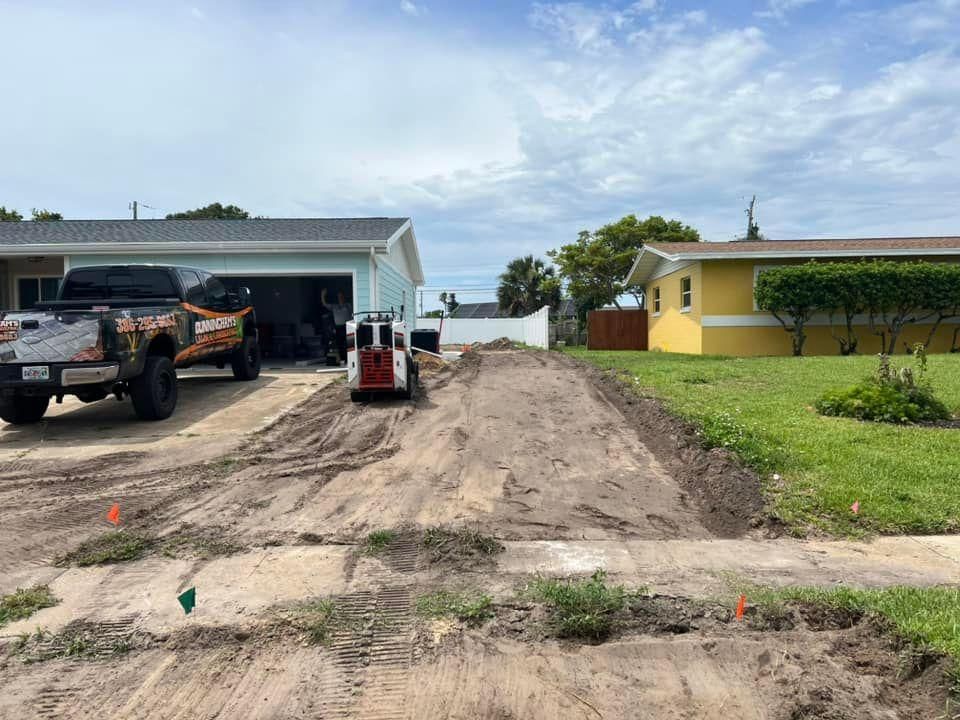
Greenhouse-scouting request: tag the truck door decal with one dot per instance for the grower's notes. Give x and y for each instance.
(213, 332)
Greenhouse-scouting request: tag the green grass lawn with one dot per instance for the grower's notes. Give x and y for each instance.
(906, 478)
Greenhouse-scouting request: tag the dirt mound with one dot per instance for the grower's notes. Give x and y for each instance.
(726, 493)
(430, 365)
(503, 343)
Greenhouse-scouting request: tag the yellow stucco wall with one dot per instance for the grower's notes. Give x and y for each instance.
(675, 331)
(728, 290)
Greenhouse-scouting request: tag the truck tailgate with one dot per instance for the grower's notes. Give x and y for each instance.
(38, 336)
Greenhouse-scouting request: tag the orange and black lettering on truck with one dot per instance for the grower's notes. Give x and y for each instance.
(123, 330)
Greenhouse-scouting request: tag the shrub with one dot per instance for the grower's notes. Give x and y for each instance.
(893, 395)
(470, 608)
(583, 608)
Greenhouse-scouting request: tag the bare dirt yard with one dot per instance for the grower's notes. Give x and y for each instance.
(391, 560)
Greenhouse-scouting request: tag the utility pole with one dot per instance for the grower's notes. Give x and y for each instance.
(133, 206)
(421, 303)
(753, 201)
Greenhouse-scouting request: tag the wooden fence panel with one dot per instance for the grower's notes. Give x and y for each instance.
(617, 330)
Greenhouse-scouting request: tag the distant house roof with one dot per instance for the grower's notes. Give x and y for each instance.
(267, 235)
(652, 254)
(492, 310)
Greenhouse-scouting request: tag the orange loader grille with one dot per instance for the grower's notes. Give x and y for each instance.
(376, 370)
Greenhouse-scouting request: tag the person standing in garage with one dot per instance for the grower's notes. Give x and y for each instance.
(342, 312)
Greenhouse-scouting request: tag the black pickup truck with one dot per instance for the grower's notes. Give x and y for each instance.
(123, 330)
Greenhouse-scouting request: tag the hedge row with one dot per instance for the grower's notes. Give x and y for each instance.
(891, 294)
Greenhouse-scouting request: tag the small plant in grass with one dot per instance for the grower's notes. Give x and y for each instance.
(470, 608)
(893, 395)
(25, 602)
(583, 608)
(317, 618)
(377, 541)
(111, 547)
(463, 543)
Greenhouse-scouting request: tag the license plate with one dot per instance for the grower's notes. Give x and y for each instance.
(36, 372)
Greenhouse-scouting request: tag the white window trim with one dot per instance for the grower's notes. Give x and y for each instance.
(657, 302)
(29, 276)
(686, 308)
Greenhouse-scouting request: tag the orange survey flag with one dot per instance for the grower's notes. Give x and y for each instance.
(740, 606)
(114, 514)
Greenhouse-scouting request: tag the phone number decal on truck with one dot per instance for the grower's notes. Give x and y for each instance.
(9, 330)
(144, 323)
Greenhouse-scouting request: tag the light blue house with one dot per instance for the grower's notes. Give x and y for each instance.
(286, 263)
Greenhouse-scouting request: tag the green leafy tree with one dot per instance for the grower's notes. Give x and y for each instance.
(10, 215)
(898, 293)
(45, 215)
(844, 295)
(449, 302)
(213, 211)
(595, 267)
(527, 285)
(941, 295)
(792, 294)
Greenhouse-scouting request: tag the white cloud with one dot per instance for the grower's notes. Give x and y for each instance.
(412, 9)
(919, 21)
(583, 27)
(494, 149)
(779, 9)
(198, 13)
(826, 91)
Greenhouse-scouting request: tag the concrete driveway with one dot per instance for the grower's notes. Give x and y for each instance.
(214, 413)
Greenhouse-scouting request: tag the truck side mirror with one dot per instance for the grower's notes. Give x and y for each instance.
(243, 296)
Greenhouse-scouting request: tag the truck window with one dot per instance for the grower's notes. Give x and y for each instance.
(118, 283)
(216, 292)
(194, 287)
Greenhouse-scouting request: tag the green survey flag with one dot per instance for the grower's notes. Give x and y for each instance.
(188, 600)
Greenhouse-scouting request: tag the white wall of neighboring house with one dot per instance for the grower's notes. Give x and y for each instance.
(530, 330)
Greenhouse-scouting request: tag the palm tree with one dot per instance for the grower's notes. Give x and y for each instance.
(526, 286)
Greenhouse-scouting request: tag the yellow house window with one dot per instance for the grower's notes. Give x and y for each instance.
(656, 300)
(686, 294)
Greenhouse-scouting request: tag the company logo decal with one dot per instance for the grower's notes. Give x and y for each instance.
(214, 329)
(9, 330)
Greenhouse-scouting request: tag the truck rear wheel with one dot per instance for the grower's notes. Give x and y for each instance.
(154, 391)
(245, 360)
(23, 409)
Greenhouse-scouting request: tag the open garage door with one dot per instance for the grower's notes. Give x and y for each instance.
(294, 323)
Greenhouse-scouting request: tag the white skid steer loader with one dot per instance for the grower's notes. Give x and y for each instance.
(378, 359)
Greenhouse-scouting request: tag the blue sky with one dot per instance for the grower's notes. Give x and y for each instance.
(501, 127)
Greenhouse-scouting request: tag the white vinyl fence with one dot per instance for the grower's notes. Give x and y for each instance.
(531, 330)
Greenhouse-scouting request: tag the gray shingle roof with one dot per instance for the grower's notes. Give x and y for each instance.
(335, 231)
(492, 310)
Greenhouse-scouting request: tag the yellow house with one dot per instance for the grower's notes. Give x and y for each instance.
(700, 295)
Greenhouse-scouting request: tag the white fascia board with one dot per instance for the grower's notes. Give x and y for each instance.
(636, 263)
(400, 234)
(199, 248)
(773, 254)
(417, 278)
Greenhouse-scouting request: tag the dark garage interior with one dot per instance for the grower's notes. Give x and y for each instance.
(292, 320)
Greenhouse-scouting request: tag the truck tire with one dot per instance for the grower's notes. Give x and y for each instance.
(245, 360)
(359, 396)
(23, 410)
(154, 391)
